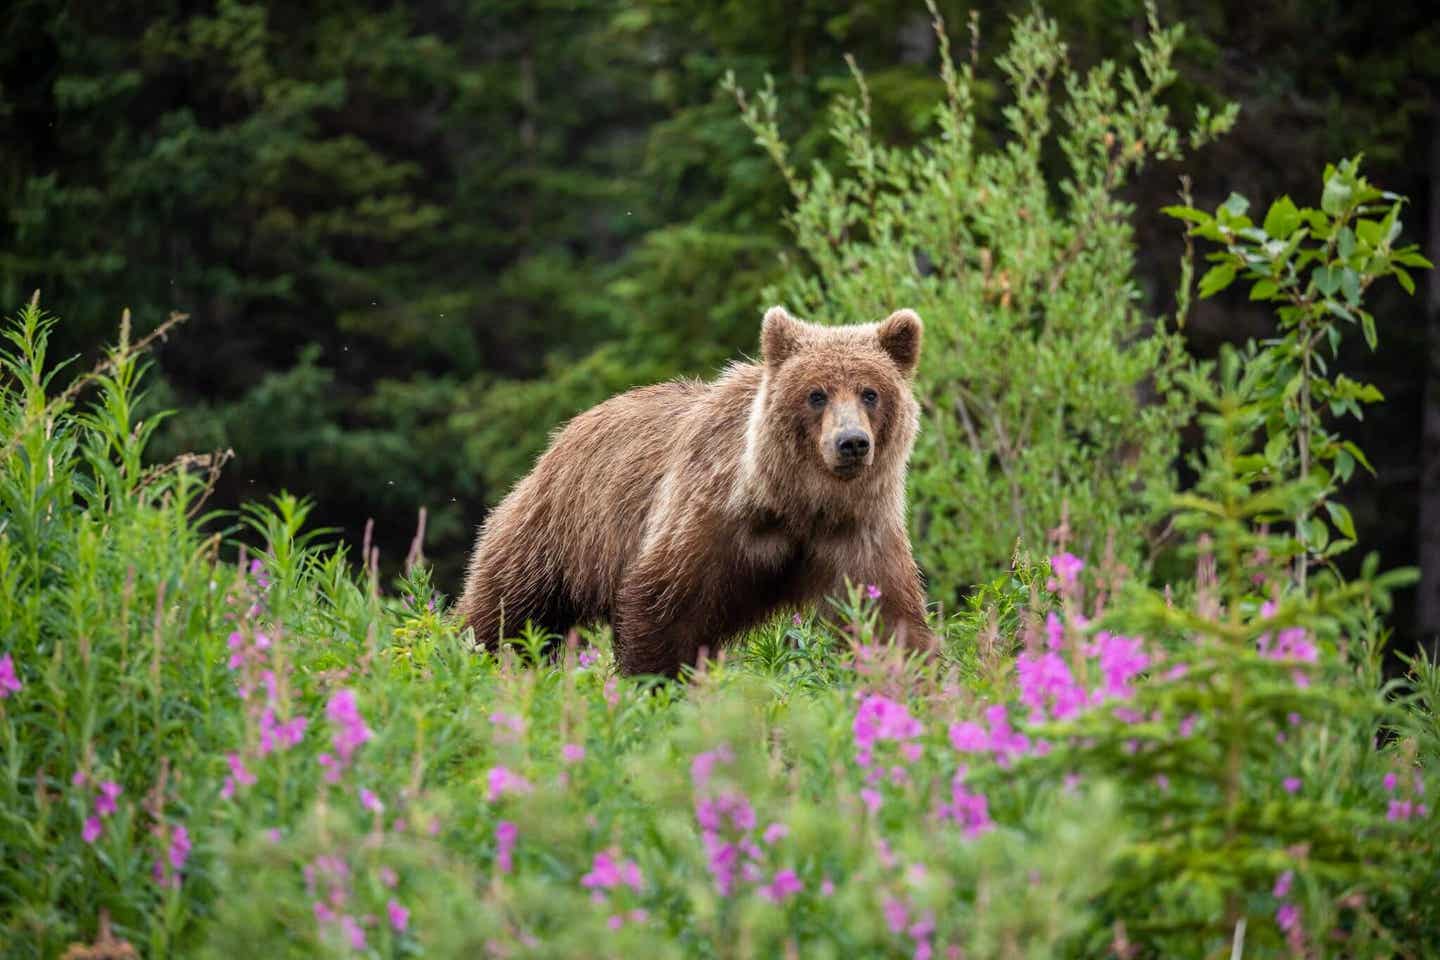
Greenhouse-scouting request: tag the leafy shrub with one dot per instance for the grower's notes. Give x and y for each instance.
(1037, 355)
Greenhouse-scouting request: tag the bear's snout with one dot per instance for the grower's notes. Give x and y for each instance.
(851, 453)
(852, 445)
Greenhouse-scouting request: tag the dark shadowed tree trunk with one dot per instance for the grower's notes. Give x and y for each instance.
(1428, 614)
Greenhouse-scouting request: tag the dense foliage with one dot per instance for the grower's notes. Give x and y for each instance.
(277, 756)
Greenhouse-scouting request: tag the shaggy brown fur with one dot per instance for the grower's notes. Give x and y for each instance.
(686, 512)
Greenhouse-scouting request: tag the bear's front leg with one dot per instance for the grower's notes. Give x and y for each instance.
(657, 620)
(891, 569)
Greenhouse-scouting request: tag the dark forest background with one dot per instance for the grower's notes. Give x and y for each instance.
(414, 237)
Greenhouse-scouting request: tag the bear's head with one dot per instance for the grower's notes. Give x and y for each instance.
(837, 399)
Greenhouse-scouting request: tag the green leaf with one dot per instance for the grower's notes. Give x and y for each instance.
(1263, 290)
(1350, 285)
(1236, 205)
(1282, 218)
(1187, 213)
(1349, 447)
(1367, 326)
(1403, 276)
(1340, 516)
(1337, 195)
(1368, 231)
(1217, 278)
(1327, 279)
(1346, 243)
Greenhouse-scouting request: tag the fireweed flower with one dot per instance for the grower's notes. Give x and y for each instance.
(1066, 567)
(399, 915)
(105, 799)
(1047, 684)
(505, 834)
(9, 682)
(350, 733)
(500, 781)
(608, 871)
(969, 810)
(91, 831)
(872, 591)
(177, 852)
(572, 753)
(240, 776)
(784, 885)
(370, 802)
(1121, 661)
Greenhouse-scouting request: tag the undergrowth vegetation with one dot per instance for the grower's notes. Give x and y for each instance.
(215, 751)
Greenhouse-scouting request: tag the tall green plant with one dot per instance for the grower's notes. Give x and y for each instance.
(1038, 355)
(1315, 266)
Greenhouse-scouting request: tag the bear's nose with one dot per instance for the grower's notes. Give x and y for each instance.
(852, 444)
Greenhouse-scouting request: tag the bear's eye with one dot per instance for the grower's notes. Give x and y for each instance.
(869, 397)
(817, 398)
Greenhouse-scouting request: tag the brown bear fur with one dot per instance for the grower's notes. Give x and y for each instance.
(686, 512)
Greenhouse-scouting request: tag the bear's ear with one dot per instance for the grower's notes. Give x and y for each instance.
(899, 336)
(780, 336)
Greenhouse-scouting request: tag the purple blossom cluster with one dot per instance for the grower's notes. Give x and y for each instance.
(902, 920)
(728, 822)
(9, 681)
(610, 873)
(168, 867)
(1405, 805)
(348, 734)
(107, 792)
(878, 721)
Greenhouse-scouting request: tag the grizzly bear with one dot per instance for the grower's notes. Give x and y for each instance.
(686, 512)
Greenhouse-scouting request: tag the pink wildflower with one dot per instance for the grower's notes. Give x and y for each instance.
(91, 831)
(370, 802)
(505, 834)
(179, 851)
(774, 833)
(896, 916)
(399, 915)
(240, 776)
(872, 591)
(1390, 782)
(703, 765)
(880, 718)
(871, 798)
(784, 885)
(1045, 682)
(1067, 569)
(9, 682)
(588, 657)
(350, 730)
(572, 752)
(501, 781)
(827, 887)
(1287, 917)
(105, 799)
(1283, 884)
(969, 810)
(969, 737)
(1291, 784)
(1121, 660)
(608, 871)
(354, 933)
